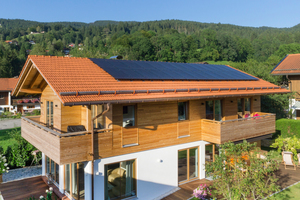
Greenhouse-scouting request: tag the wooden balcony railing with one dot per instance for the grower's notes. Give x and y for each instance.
(220, 132)
(63, 148)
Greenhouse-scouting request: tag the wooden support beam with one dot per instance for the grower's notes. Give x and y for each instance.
(33, 82)
(42, 85)
(31, 91)
(23, 81)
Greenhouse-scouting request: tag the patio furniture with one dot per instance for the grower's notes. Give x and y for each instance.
(288, 159)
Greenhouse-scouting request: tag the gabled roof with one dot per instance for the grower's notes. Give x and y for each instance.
(81, 81)
(7, 84)
(289, 65)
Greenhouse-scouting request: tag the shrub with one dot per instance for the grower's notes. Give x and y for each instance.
(20, 154)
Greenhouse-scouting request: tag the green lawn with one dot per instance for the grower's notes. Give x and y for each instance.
(292, 193)
(5, 139)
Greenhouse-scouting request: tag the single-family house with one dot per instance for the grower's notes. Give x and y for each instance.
(115, 129)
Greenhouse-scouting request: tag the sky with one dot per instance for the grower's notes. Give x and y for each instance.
(254, 13)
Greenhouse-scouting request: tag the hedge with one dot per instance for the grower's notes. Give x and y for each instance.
(288, 127)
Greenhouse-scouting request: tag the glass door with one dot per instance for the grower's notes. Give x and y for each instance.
(187, 164)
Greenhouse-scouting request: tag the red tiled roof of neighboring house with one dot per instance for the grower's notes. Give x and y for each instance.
(81, 74)
(288, 65)
(8, 84)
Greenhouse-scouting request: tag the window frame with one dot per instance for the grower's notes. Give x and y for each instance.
(134, 175)
(187, 111)
(135, 115)
(214, 109)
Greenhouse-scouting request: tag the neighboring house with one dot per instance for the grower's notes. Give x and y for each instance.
(31, 42)
(71, 45)
(289, 66)
(26, 104)
(11, 42)
(6, 87)
(113, 129)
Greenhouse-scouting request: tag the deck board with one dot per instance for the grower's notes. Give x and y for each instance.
(24, 189)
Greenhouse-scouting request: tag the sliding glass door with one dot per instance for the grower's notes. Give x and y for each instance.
(52, 169)
(74, 180)
(120, 180)
(187, 164)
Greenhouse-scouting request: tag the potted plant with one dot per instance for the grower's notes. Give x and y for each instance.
(201, 192)
(3, 166)
(19, 101)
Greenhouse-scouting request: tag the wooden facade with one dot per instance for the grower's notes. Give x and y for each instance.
(156, 126)
(4, 98)
(294, 85)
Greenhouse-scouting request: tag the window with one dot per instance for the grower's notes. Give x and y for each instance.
(74, 180)
(1, 96)
(99, 122)
(120, 180)
(49, 113)
(214, 110)
(52, 169)
(6, 109)
(182, 111)
(244, 107)
(31, 106)
(128, 116)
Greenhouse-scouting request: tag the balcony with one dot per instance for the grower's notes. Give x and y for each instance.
(220, 132)
(63, 148)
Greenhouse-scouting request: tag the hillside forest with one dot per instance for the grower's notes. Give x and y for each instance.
(254, 50)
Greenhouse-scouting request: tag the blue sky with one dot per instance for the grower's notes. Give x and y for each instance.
(253, 13)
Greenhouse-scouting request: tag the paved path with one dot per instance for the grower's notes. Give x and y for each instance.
(9, 123)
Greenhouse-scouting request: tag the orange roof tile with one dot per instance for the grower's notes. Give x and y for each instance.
(288, 65)
(65, 74)
(7, 84)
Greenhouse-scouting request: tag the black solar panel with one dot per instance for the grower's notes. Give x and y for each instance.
(149, 70)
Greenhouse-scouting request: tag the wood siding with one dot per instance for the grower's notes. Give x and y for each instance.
(4, 100)
(294, 85)
(156, 123)
(235, 130)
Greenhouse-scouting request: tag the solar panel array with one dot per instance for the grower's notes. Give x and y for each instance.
(149, 70)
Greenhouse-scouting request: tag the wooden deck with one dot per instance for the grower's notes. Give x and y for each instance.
(24, 189)
(286, 178)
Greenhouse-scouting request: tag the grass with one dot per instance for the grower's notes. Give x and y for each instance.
(291, 193)
(5, 139)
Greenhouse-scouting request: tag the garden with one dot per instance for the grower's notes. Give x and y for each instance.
(242, 171)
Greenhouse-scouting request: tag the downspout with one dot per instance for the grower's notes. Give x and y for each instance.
(93, 144)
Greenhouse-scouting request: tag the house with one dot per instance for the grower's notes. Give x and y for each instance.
(72, 45)
(11, 104)
(31, 42)
(6, 87)
(11, 42)
(25, 104)
(289, 67)
(113, 129)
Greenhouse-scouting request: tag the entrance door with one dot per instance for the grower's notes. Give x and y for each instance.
(187, 165)
(49, 114)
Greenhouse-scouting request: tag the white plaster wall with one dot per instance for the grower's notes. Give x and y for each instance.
(88, 180)
(154, 178)
(44, 164)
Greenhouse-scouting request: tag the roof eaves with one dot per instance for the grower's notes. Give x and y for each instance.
(168, 98)
(279, 63)
(21, 75)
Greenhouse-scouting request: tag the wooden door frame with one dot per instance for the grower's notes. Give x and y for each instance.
(188, 165)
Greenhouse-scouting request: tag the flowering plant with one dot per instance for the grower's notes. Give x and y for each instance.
(3, 164)
(48, 194)
(201, 192)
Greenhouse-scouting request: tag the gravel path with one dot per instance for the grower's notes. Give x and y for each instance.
(9, 123)
(21, 173)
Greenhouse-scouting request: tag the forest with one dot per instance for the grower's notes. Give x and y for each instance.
(253, 50)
